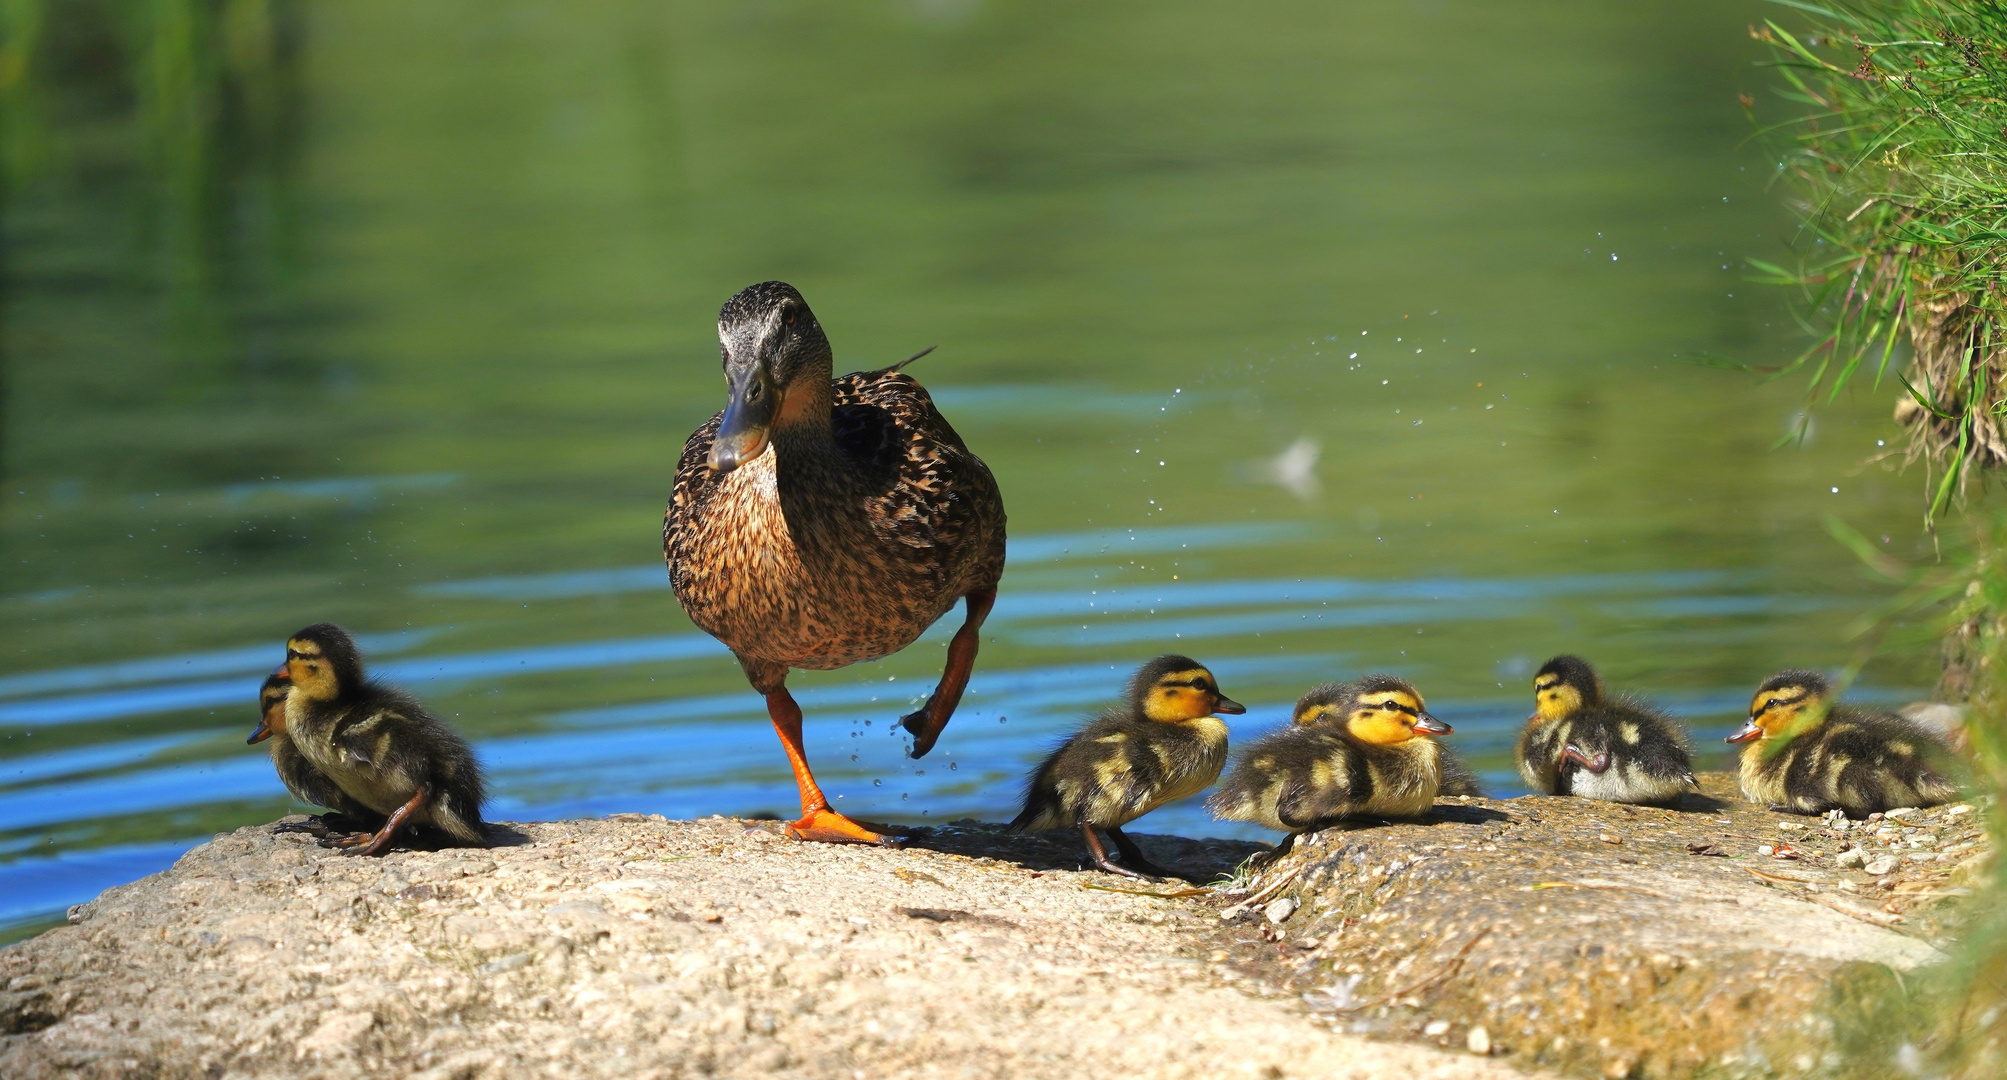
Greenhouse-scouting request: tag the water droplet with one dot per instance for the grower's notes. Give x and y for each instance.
(1001, 719)
(877, 783)
(952, 766)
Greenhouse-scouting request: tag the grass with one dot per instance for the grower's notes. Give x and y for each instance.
(1895, 152)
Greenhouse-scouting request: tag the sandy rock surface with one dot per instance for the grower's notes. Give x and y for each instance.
(638, 947)
(1607, 940)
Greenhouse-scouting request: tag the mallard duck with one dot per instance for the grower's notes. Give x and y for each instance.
(1582, 742)
(1326, 704)
(818, 522)
(1366, 760)
(378, 745)
(1808, 755)
(1163, 743)
(307, 784)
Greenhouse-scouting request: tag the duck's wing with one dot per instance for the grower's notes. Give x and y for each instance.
(935, 494)
(695, 482)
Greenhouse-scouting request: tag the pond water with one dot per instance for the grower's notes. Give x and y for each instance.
(1347, 337)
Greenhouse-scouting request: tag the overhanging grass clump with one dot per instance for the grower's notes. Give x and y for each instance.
(1898, 151)
(1896, 148)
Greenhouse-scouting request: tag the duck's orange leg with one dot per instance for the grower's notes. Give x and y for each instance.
(818, 821)
(926, 724)
(380, 841)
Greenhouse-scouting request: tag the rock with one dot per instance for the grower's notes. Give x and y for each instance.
(1599, 960)
(1851, 859)
(518, 964)
(1279, 910)
(1479, 1040)
(1435, 1027)
(1880, 864)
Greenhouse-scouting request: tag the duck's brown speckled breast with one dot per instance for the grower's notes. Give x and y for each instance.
(852, 553)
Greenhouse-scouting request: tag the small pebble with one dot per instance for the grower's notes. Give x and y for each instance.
(1280, 909)
(1435, 1027)
(1479, 1040)
(1607, 838)
(1880, 864)
(1960, 810)
(1851, 859)
(1789, 826)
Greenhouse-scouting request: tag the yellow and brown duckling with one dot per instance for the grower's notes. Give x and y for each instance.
(1325, 704)
(1807, 755)
(817, 522)
(378, 745)
(306, 783)
(1163, 743)
(1363, 754)
(1580, 741)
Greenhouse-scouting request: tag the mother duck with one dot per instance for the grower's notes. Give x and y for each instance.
(817, 522)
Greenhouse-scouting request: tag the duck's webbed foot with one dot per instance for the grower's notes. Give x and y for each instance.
(321, 826)
(829, 827)
(1100, 854)
(1133, 857)
(379, 842)
(1598, 763)
(925, 724)
(344, 841)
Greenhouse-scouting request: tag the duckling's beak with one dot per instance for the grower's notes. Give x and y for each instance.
(1429, 725)
(1746, 732)
(1229, 706)
(260, 733)
(742, 435)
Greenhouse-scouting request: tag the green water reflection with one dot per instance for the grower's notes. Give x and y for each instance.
(326, 311)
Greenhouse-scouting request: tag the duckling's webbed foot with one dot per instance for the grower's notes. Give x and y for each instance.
(1133, 857)
(925, 724)
(1100, 854)
(380, 841)
(322, 826)
(1599, 763)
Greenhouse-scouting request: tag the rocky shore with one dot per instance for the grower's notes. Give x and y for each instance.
(1547, 933)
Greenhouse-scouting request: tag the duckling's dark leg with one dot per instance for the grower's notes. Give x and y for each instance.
(366, 844)
(818, 821)
(926, 724)
(1100, 854)
(1133, 857)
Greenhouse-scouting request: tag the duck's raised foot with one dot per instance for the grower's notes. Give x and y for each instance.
(830, 827)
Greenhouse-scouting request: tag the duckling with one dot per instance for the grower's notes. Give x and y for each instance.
(378, 745)
(307, 784)
(1326, 703)
(817, 522)
(1581, 742)
(1163, 743)
(1807, 755)
(1367, 760)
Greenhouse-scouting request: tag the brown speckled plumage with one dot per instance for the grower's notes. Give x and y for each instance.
(818, 556)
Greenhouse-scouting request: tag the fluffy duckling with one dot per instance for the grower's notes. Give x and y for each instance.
(1367, 759)
(308, 784)
(378, 745)
(1326, 703)
(1580, 742)
(1160, 745)
(1808, 755)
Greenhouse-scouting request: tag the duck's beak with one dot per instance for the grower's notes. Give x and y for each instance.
(1429, 725)
(742, 435)
(1229, 706)
(1746, 732)
(260, 733)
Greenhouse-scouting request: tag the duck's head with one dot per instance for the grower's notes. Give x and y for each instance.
(1786, 704)
(272, 706)
(1381, 709)
(1172, 689)
(322, 662)
(1563, 685)
(777, 368)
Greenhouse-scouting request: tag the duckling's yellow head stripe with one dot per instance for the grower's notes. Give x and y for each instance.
(1787, 710)
(1178, 696)
(310, 671)
(1554, 699)
(1385, 718)
(1317, 714)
